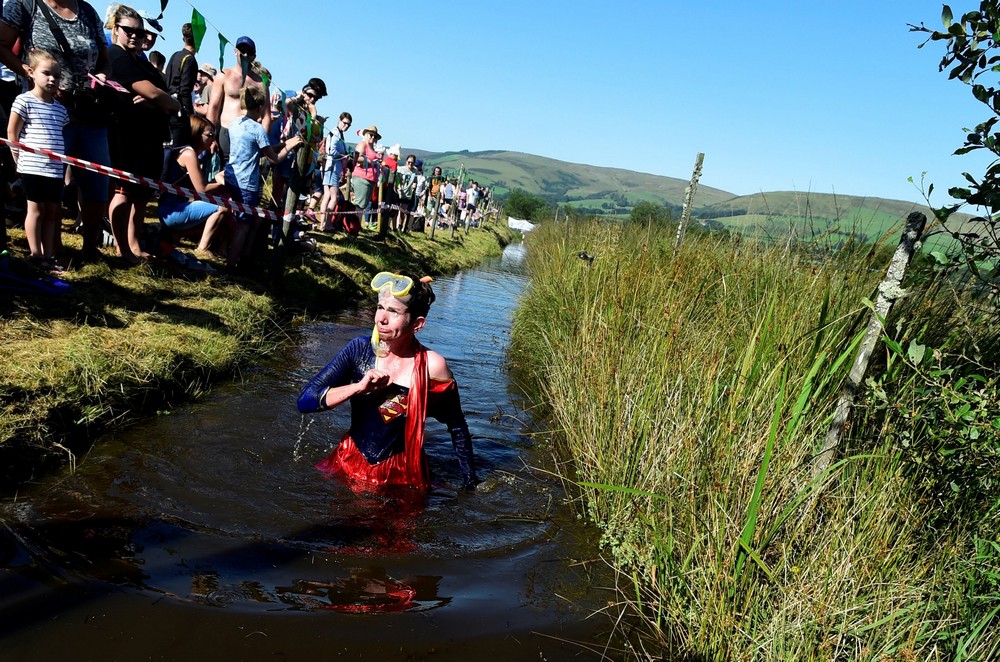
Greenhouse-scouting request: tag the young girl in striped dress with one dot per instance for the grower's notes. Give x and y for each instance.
(37, 120)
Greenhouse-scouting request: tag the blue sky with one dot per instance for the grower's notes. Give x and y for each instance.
(825, 97)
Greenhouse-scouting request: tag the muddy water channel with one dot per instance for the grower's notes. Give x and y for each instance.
(207, 532)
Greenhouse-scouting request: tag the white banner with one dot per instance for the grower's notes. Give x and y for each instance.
(519, 224)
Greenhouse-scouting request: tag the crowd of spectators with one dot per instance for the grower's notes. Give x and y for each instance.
(170, 119)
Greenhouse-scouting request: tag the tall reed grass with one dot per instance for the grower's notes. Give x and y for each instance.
(690, 393)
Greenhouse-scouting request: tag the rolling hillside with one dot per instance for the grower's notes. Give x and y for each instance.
(613, 192)
(775, 212)
(605, 190)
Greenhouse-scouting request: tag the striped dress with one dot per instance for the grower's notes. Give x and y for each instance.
(43, 129)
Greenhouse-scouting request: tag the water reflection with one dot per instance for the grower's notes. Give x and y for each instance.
(366, 591)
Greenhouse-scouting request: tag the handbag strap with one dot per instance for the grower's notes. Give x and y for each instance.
(56, 31)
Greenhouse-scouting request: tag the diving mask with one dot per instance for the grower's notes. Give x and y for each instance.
(395, 284)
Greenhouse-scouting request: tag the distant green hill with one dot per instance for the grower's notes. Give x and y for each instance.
(613, 192)
(808, 214)
(591, 189)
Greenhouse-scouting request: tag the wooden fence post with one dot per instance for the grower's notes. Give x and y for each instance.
(382, 231)
(688, 200)
(888, 292)
(453, 210)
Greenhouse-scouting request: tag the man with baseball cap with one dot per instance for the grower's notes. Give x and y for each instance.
(224, 103)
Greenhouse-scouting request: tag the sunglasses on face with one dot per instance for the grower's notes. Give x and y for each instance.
(132, 33)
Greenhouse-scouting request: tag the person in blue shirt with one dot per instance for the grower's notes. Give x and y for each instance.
(248, 141)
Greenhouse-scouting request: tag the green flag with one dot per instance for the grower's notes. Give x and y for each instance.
(198, 28)
(222, 51)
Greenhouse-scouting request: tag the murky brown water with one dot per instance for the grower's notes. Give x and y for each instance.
(208, 533)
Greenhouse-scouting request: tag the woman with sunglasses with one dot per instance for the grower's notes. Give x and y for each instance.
(393, 384)
(182, 166)
(333, 171)
(140, 128)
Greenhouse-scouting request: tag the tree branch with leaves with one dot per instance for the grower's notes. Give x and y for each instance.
(972, 56)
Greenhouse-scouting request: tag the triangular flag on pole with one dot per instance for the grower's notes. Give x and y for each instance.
(198, 28)
(222, 51)
(163, 8)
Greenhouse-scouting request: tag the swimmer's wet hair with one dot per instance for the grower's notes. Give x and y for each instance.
(421, 297)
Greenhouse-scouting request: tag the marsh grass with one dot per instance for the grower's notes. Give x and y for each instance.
(128, 342)
(690, 393)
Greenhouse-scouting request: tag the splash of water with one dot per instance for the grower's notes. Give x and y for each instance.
(304, 425)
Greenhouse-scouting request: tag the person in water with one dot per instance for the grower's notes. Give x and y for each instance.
(393, 383)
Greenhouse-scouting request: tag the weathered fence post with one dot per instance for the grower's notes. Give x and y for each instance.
(688, 200)
(434, 213)
(888, 292)
(382, 229)
(453, 210)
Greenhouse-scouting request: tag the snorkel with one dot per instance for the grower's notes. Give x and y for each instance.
(392, 286)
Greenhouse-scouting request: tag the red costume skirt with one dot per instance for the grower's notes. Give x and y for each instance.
(362, 476)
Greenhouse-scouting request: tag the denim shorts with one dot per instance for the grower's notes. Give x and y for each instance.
(331, 177)
(186, 215)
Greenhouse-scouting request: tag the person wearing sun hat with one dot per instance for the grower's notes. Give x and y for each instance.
(394, 384)
(203, 88)
(367, 163)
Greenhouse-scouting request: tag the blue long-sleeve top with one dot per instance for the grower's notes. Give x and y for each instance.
(378, 419)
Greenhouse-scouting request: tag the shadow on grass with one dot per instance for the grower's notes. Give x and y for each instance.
(99, 301)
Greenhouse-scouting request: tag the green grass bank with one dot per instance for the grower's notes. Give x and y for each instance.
(125, 343)
(688, 395)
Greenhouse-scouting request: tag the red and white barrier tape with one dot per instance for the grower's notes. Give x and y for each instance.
(170, 188)
(145, 181)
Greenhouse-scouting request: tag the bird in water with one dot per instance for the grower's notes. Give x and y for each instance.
(583, 255)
